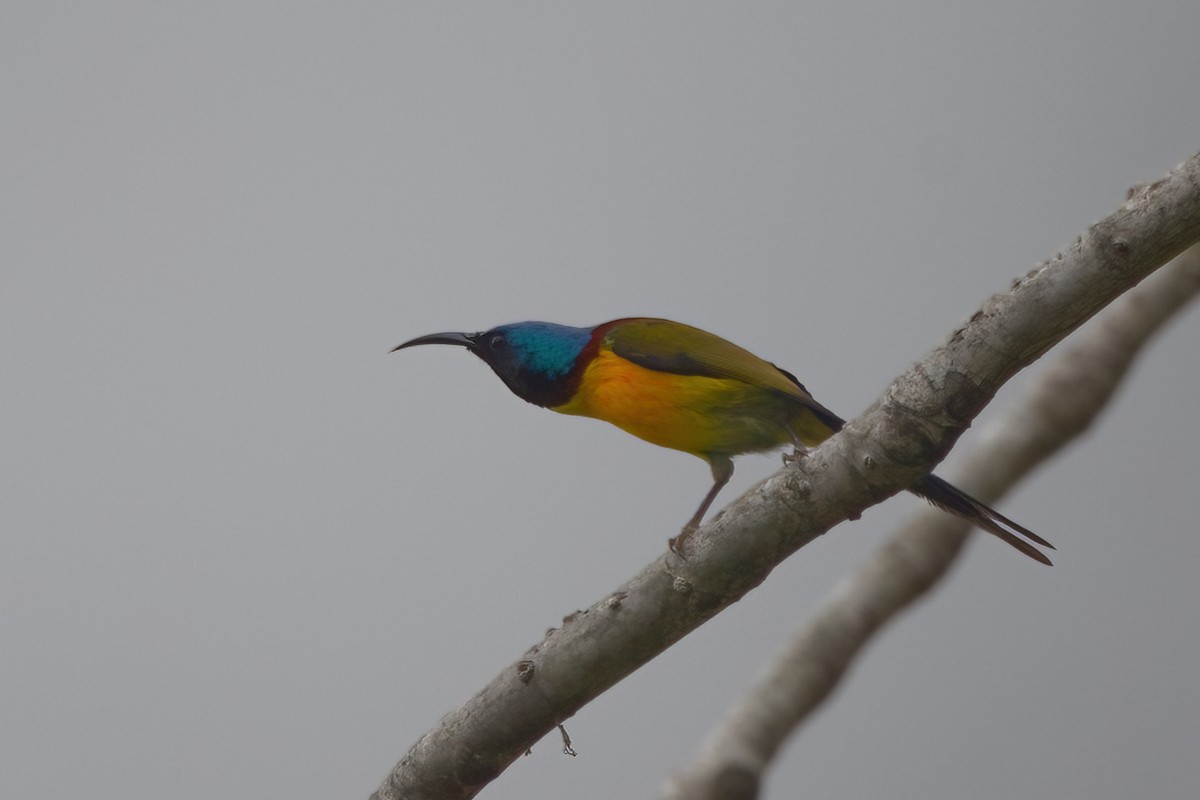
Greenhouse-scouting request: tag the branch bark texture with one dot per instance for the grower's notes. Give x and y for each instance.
(890, 447)
(1068, 397)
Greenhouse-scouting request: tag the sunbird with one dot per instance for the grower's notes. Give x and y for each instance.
(680, 387)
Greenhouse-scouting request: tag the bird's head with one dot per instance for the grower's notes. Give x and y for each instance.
(534, 359)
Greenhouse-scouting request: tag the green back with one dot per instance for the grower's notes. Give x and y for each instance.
(673, 347)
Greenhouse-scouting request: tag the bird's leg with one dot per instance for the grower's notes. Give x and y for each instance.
(722, 471)
(799, 451)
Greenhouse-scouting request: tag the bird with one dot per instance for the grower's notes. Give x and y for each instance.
(686, 389)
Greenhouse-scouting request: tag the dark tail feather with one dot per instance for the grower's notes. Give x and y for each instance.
(956, 501)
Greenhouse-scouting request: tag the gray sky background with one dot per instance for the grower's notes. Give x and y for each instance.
(247, 553)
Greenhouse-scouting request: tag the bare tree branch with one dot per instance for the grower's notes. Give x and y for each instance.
(890, 447)
(1064, 402)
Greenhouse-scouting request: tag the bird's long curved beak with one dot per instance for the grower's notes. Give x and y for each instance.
(466, 340)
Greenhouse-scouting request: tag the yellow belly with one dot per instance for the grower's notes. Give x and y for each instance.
(699, 415)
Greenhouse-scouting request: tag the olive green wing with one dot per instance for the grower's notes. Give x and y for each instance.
(673, 347)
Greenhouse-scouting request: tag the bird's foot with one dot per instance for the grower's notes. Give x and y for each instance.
(675, 543)
(798, 454)
(799, 451)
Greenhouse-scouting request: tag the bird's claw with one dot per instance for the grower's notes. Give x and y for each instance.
(798, 454)
(675, 543)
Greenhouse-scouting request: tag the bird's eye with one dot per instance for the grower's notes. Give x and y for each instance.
(496, 342)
